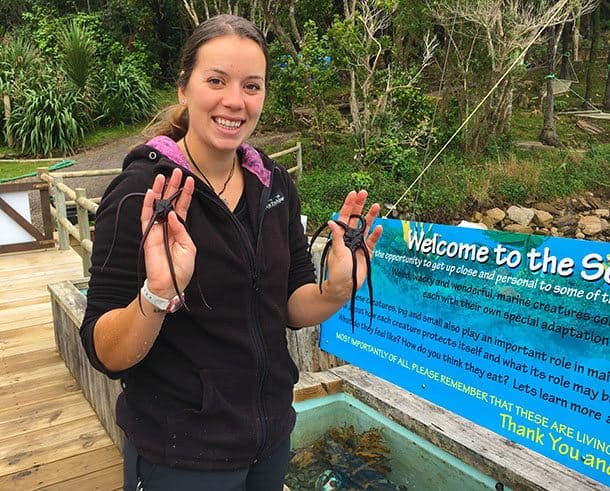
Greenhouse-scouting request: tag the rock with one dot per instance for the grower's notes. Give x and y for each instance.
(590, 225)
(566, 221)
(543, 218)
(477, 216)
(579, 235)
(549, 208)
(494, 216)
(520, 215)
(602, 212)
(518, 228)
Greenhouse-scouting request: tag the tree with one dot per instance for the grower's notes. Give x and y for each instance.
(548, 134)
(595, 28)
(361, 45)
(487, 37)
(607, 91)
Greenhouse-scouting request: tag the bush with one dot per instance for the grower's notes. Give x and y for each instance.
(77, 53)
(125, 95)
(48, 120)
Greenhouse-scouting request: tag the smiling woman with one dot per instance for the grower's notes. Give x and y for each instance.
(207, 390)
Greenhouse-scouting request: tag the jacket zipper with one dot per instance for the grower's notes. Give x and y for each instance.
(253, 256)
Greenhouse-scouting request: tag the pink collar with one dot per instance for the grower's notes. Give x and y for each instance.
(250, 158)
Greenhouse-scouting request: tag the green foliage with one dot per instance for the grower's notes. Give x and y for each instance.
(20, 63)
(361, 180)
(306, 81)
(125, 94)
(43, 24)
(512, 190)
(48, 119)
(409, 105)
(595, 168)
(77, 53)
(390, 152)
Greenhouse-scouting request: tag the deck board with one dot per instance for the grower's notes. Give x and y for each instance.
(50, 438)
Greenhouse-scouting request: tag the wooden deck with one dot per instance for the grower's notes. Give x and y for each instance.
(50, 438)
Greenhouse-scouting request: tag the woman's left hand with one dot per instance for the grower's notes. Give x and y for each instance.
(340, 262)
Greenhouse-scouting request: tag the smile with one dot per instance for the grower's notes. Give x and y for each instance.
(227, 123)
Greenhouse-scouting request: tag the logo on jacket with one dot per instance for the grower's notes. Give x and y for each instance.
(275, 200)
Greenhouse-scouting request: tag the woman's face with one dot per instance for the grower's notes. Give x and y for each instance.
(225, 93)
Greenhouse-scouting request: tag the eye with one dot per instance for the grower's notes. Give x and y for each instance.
(214, 81)
(252, 87)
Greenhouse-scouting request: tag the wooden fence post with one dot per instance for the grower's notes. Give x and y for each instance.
(60, 205)
(299, 160)
(6, 100)
(83, 229)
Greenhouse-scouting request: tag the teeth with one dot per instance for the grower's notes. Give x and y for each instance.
(228, 123)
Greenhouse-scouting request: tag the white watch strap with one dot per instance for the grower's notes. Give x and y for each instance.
(157, 301)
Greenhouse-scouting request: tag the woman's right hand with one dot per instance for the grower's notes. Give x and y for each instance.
(181, 247)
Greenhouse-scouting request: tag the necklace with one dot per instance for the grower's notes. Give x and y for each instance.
(207, 181)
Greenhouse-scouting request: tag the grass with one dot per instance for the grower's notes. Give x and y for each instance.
(11, 170)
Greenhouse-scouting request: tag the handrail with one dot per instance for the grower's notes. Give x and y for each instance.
(81, 232)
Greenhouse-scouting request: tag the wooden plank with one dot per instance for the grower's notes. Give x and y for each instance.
(22, 299)
(27, 246)
(50, 259)
(51, 444)
(37, 279)
(21, 341)
(51, 473)
(10, 316)
(50, 438)
(26, 394)
(19, 420)
(316, 384)
(35, 320)
(100, 480)
(37, 375)
(15, 364)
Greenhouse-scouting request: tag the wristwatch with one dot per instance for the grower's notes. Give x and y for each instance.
(162, 304)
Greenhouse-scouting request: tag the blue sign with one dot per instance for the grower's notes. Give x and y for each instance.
(511, 331)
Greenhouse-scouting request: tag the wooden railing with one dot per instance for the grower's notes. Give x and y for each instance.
(81, 232)
(41, 239)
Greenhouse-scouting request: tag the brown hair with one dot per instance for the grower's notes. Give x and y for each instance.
(175, 118)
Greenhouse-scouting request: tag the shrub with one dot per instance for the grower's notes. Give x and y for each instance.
(48, 119)
(125, 94)
(77, 53)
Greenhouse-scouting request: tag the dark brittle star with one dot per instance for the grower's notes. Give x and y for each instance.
(161, 210)
(354, 240)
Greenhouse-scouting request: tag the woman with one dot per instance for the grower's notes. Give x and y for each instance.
(207, 389)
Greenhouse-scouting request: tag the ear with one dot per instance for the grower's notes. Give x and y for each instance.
(181, 96)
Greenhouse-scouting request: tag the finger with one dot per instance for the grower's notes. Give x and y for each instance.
(358, 206)
(337, 236)
(157, 186)
(178, 232)
(371, 216)
(346, 209)
(372, 239)
(184, 200)
(147, 208)
(173, 184)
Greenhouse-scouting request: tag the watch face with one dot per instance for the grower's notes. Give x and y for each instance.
(174, 304)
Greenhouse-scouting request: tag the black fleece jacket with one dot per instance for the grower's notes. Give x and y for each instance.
(215, 390)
